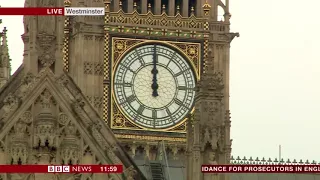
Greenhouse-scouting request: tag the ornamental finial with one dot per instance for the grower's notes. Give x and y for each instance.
(120, 4)
(178, 9)
(135, 6)
(163, 9)
(67, 3)
(149, 7)
(206, 8)
(192, 10)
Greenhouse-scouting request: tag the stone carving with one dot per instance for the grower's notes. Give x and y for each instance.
(98, 69)
(79, 99)
(44, 156)
(26, 83)
(46, 134)
(47, 46)
(63, 80)
(96, 101)
(20, 129)
(93, 68)
(70, 152)
(46, 99)
(133, 150)
(28, 78)
(88, 156)
(214, 116)
(63, 119)
(18, 153)
(212, 136)
(88, 68)
(211, 81)
(10, 102)
(70, 155)
(211, 161)
(231, 36)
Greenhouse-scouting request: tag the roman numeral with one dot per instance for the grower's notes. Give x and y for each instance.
(173, 56)
(184, 88)
(181, 72)
(180, 103)
(140, 58)
(140, 109)
(168, 111)
(131, 98)
(154, 114)
(170, 115)
(128, 68)
(123, 84)
(127, 84)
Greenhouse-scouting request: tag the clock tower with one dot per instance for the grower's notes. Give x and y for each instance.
(155, 61)
(153, 69)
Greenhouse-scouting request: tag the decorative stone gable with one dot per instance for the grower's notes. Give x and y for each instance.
(48, 121)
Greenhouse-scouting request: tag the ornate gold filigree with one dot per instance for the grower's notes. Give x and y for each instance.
(120, 45)
(182, 127)
(119, 121)
(192, 51)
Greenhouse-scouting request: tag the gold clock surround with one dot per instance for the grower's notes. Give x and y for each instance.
(119, 47)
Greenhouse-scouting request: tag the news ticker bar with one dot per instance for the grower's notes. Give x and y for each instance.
(49, 11)
(260, 168)
(61, 169)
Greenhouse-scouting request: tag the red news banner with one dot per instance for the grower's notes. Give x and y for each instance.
(61, 169)
(57, 11)
(260, 168)
(32, 11)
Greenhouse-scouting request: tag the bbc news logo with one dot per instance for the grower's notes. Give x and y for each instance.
(54, 169)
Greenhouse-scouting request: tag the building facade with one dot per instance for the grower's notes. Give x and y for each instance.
(146, 86)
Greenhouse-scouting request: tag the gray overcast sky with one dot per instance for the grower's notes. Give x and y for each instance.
(275, 75)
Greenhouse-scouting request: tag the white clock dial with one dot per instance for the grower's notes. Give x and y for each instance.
(154, 99)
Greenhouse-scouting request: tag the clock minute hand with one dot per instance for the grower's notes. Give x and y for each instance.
(154, 72)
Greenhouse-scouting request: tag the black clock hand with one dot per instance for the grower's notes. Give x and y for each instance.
(154, 71)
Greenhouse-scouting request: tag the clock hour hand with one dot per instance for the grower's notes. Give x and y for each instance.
(154, 72)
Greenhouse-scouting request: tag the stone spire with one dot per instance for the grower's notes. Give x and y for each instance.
(43, 39)
(5, 67)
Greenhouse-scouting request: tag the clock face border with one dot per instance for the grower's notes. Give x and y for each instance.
(120, 47)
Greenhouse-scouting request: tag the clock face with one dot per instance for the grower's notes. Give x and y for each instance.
(154, 86)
